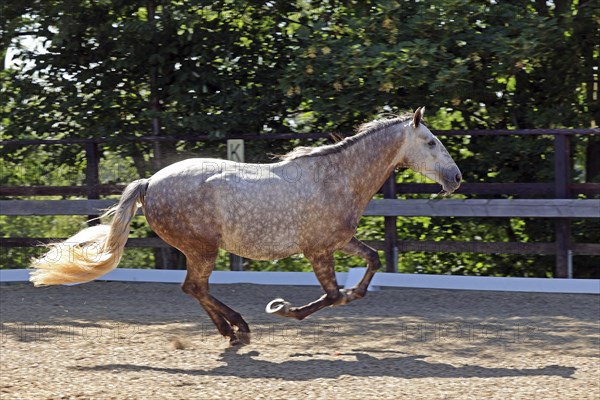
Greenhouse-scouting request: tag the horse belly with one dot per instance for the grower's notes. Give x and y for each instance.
(257, 220)
(260, 241)
(264, 251)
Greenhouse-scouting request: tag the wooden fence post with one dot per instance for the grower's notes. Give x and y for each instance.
(562, 190)
(92, 176)
(390, 229)
(235, 152)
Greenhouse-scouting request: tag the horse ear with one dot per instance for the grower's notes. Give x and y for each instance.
(418, 116)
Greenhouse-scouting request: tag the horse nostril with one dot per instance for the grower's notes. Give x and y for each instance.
(458, 178)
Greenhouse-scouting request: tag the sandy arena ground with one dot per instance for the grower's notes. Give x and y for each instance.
(150, 341)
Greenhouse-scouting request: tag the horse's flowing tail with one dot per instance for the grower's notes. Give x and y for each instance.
(94, 251)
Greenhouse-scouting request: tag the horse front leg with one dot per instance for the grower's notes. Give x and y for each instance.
(323, 266)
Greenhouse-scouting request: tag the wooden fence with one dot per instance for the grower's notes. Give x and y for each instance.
(561, 207)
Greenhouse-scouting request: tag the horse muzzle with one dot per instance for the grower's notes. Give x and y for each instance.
(451, 179)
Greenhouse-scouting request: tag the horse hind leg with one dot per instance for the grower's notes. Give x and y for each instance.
(357, 248)
(228, 322)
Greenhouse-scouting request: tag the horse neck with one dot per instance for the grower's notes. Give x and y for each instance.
(368, 163)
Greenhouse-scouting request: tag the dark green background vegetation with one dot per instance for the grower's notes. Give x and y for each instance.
(121, 69)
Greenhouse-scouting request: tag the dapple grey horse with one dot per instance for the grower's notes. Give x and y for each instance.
(309, 202)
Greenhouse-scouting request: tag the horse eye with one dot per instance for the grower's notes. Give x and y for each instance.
(431, 143)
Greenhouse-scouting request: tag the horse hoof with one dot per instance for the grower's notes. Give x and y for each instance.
(278, 306)
(240, 339)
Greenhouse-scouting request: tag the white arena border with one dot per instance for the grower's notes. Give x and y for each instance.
(348, 279)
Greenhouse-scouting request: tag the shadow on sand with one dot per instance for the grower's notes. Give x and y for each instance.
(246, 365)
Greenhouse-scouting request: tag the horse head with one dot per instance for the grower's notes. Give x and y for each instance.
(425, 154)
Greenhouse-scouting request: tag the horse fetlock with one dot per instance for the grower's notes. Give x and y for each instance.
(353, 294)
(278, 306)
(342, 297)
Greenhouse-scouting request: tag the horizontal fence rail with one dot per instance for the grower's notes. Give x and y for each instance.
(548, 208)
(586, 249)
(522, 208)
(517, 189)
